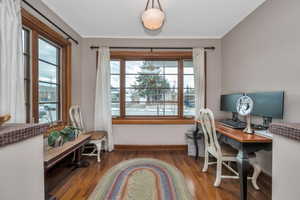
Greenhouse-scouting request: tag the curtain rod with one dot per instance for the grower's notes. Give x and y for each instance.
(51, 22)
(151, 48)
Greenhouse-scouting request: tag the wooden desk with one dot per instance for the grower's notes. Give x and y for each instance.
(245, 144)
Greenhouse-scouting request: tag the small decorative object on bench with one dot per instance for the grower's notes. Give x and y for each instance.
(4, 119)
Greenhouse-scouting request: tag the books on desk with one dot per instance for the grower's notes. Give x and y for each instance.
(264, 133)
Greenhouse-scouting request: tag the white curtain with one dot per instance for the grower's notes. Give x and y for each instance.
(199, 71)
(12, 99)
(103, 115)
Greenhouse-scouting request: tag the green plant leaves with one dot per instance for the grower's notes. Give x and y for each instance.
(67, 134)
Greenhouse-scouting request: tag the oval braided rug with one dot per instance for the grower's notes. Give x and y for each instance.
(142, 179)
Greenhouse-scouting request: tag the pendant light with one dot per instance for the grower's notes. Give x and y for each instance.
(153, 17)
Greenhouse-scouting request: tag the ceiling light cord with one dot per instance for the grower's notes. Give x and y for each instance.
(153, 5)
(159, 5)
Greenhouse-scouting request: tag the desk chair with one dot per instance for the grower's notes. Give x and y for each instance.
(98, 138)
(223, 153)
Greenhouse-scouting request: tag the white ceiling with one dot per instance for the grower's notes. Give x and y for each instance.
(184, 18)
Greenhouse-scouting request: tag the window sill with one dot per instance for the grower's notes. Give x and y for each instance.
(152, 121)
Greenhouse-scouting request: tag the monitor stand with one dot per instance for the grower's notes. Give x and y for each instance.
(267, 121)
(235, 117)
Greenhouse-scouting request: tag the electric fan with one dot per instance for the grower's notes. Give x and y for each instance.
(244, 107)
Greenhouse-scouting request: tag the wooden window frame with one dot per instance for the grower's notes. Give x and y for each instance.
(180, 56)
(39, 29)
(26, 65)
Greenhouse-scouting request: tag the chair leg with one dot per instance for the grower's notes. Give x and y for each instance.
(205, 167)
(256, 173)
(99, 145)
(219, 173)
(105, 145)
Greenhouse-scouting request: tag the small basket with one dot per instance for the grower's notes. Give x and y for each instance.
(4, 119)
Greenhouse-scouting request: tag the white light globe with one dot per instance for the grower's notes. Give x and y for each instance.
(153, 18)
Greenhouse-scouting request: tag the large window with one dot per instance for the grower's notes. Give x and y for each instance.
(157, 87)
(47, 71)
(151, 88)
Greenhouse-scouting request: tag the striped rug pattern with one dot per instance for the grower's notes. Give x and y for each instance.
(142, 179)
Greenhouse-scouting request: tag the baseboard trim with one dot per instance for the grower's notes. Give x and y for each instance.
(151, 147)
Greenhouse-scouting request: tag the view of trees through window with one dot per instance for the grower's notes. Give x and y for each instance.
(152, 87)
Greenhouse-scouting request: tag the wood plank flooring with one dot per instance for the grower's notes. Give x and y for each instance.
(78, 184)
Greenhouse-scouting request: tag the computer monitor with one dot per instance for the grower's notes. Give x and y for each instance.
(228, 102)
(268, 104)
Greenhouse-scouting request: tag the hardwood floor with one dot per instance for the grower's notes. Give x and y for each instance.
(77, 184)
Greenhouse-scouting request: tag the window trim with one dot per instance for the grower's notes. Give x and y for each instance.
(27, 77)
(180, 56)
(39, 29)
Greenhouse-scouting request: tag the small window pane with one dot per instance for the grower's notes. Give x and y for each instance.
(115, 81)
(131, 81)
(142, 109)
(189, 102)
(115, 109)
(151, 67)
(169, 109)
(48, 113)
(147, 67)
(188, 67)
(151, 81)
(48, 92)
(48, 73)
(26, 67)
(25, 41)
(115, 67)
(151, 109)
(151, 95)
(48, 52)
(171, 81)
(115, 94)
(134, 67)
(188, 81)
(169, 67)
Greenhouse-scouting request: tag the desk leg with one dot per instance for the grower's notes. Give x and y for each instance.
(243, 167)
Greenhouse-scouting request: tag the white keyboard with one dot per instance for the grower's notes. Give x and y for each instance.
(264, 133)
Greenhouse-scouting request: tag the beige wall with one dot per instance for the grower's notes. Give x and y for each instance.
(76, 86)
(286, 167)
(262, 54)
(22, 170)
(155, 134)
